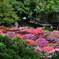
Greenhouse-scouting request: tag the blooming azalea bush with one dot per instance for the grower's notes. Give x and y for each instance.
(28, 36)
(47, 48)
(10, 34)
(31, 42)
(36, 32)
(41, 42)
(52, 38)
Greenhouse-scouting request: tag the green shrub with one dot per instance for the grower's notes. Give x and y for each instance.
(16, 49)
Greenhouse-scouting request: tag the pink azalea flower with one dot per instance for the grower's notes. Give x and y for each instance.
(41, 42)
(28, 36)
(54, 32)
(52, 38)
(20, 28)
(56, 44)
(13, 28)
(38, 32)
(10, 34)
(29, 42)
(2, 34)
(28, 30)
(1, 31)
(47, 48)
(37, 48)
(54, 50)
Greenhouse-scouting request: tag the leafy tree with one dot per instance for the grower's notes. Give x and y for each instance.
(46, 10)
(7, 13)
(24, 8)
(52, 9)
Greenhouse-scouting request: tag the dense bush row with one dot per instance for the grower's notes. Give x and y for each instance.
(24, 43)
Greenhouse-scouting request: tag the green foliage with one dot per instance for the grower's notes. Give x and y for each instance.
(16, 49)
(38, 9)
(52, 6)
(7, 13)
(2, 45)
(12, 10)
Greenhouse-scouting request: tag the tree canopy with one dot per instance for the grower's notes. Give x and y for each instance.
(7, 13)
(12, 10)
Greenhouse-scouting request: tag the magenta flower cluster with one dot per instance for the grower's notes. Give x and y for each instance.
(54, 32)
(56, 45)
(28, 36)
(54, 50)
(10, 34)
(42, 42)
(52, 38)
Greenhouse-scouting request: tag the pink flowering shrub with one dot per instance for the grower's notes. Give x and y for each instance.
(13, 28)
(28, 30)
(54, 50)
(54, 32)
(38, 32)
(52, 38)
(42, 42)
(47, 48)
(10, 34)
(56, 44)
(20, 28)
(28, 36)
(47, 42)
(37, 48)
(29, 42)
(1, 33)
